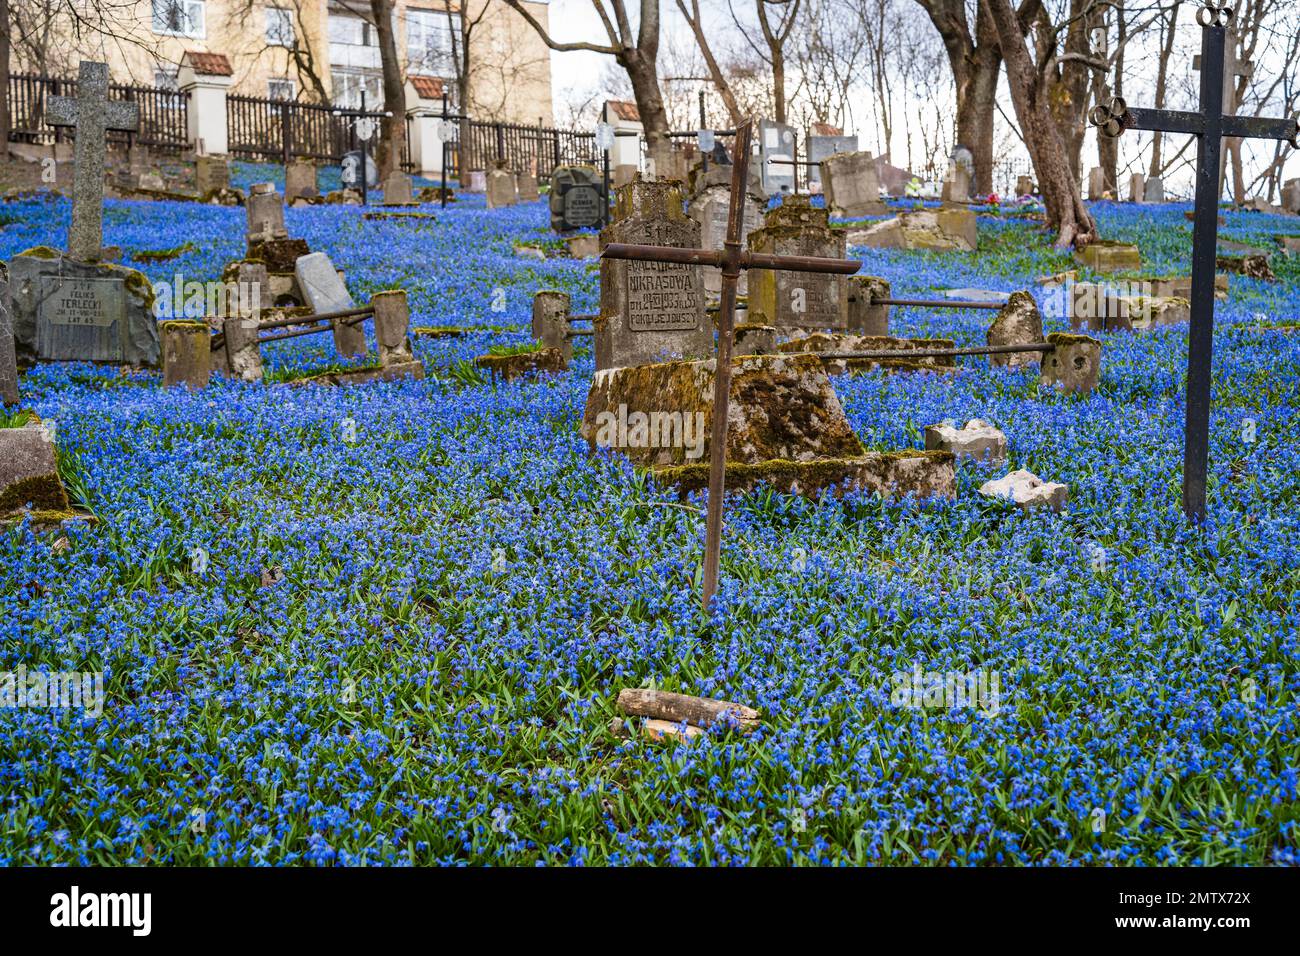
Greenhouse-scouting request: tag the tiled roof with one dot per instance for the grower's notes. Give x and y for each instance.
(826, 129)
(624, 110)
(427, 87)
(208, 64)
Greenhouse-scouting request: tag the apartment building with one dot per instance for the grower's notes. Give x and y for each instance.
(326, 50)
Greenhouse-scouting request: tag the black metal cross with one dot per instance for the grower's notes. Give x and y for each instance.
(731, 259)
(1210, 124)
(445, 119)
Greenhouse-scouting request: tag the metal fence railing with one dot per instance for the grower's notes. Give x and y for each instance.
(523, 147)
(164, 118)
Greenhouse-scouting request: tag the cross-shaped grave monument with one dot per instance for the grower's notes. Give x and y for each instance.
(1210, 124)
(92, 114)
(731, 259)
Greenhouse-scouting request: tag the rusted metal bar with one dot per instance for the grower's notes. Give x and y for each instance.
(939, 303)
(719, 258)
(937, 353)
(578, 333)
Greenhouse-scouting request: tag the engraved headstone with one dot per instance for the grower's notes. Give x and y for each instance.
(851, 185)
(577, 198)
(265, 211)
(528, 191)
(1154, 191)
(211, 173)
(64, 310)
(808, 300)
(710, 209)
(92, 114)
(651, 311)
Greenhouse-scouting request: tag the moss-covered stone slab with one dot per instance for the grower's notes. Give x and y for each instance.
(29, 473)
(1017, 323)
(507, 368)
(781, 407)
(939, 230)
(1074, 364)
(365, 375)
(279, 255)
(892, 474)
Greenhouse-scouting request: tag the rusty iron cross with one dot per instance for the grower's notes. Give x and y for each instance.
(731, 259)
(1209, 124)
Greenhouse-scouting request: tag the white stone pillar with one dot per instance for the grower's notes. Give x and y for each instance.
(207, 88)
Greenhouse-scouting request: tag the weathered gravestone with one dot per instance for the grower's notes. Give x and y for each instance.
(710, 209)
(956, 183)
(577, 198)
(265, 213)
(1096, 183)
(73, 307)
(851, 185)
(650, 311)
(8, 359)
(1154, 191)
(325, 292)
(1137, 191)
(528, 190)
(806, 300)
(502, 188)
(1024, 186)
(300, 181)
(821, 148)
(1291, 196)
(397, 189)
(29, 474)
(211, 174)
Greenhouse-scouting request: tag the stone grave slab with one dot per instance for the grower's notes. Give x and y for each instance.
(798, 299)
(851, 185)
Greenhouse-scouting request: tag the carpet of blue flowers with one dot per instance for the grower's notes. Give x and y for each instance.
(406, 647)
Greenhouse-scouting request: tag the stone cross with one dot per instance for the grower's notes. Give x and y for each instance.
(1210, 124)
(92, 114)
(731, 259)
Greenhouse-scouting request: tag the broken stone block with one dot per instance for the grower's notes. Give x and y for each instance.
(1251, 266)
(29, 473)
(1106, 256)
(550, 324)
(186, 353)
(1018, 323)
(821, 342)
(782, 407)
(754, 340)
(865, 316)
(1073, 365)
(890, 474)
(522, 364)
(1027, 490)
(585, 245)
(851, 185)
(977, 440)
(952, 229)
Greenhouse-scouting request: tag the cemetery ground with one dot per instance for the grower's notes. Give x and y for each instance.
(388, 624)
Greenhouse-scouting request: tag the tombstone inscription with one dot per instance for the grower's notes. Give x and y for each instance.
(1210, 124)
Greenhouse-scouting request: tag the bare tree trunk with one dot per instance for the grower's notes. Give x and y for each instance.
(693, 19)
(1108, 146)
(1162, 80)
(776, 49)
(1066, 213)
(393, 130)
(5, 27)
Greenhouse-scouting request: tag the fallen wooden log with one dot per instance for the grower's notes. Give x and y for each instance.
(676, 708)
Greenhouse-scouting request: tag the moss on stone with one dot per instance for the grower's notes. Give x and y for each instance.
(813, 477)
(42, 492)
(41, 252)
(1070, 338)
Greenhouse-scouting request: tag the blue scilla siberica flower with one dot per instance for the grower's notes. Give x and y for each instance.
(404, 647)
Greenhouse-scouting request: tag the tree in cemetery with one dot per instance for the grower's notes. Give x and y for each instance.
(388, 155)
(635, 50)
(461, 24)
(1031, 94)
(776, 21)
(721, 82)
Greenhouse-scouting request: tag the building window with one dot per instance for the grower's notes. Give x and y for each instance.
(347, 87)
(352, 43)
(279, 27)
(429, 42)
(280, 89)
(181, 18)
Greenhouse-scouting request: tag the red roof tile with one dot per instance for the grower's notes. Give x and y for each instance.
(624, 110)
(427, 87)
